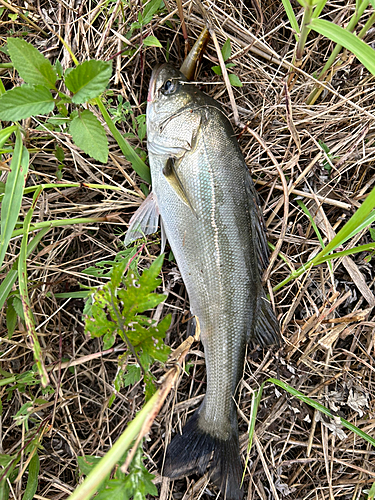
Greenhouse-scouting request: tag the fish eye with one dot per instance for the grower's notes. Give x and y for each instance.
(169, 87)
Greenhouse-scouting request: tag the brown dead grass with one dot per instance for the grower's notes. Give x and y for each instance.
(326, 315)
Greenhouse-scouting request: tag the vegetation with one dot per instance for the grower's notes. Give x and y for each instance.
(84, 320)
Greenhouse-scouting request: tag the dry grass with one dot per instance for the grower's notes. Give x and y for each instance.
(326, 316)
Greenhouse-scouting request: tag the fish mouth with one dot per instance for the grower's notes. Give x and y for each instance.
(152, 85)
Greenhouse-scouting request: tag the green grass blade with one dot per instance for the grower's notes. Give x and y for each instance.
(323, 409)
(9, 280)
(292, 18)
(318, 8)
(139, 166)
(22, 280)
(350, 251)
(73, 295)
(5, 133)
(351, 42)
(59, 223)
(351, 227)
(361, 216)
(368, 220)
(371, 493)
(257, 396)
(315, 227)
(14, 187)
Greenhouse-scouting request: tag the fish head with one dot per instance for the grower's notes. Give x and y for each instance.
(174, 112)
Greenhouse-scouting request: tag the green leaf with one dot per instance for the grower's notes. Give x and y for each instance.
(216, 69)
(142, 127)
(25, 101)
(226, 49)
(87, 463)
(88, 133)
(343, 37)
(32, 66)
(133, 375)
(88, 80)
(372, 230)
(59, 69)
(151, 41)
(11, 319)
(59, 153)
(17, 305)
(149, 11)
(148, 281)
(5, 133)
(32, 480)
(14, 187)
(234, 80)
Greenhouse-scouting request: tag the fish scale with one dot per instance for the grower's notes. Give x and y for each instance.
(204, 195)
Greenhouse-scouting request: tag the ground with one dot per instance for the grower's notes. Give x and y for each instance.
(322, 150)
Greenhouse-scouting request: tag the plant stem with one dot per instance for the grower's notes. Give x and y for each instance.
(92, 482)
(305, 30)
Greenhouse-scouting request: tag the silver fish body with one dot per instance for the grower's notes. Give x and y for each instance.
(204, 194)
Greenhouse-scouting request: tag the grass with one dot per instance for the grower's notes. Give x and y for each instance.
(62, 222)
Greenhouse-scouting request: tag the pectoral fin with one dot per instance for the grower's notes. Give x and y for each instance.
(144, 221)
(171, 174)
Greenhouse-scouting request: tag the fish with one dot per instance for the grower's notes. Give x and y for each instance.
(204, 197)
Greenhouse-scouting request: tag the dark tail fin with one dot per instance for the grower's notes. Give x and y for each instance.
(196, 450)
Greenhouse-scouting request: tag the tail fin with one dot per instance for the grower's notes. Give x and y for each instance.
(196, 450)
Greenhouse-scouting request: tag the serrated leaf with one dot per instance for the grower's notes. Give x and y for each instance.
(151, 41)
(88, 80)
(25, 101)
(234, 80)
(88, 133)
(226, 49)
(32, 66)
(148, 280)
(133, 375)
